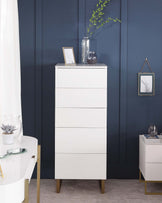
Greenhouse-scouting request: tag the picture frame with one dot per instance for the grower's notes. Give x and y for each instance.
(146, 84)
(69, 57)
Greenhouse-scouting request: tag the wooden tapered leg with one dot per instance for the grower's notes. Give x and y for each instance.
(26, 200)
(58, 185)
(102, 186)
(145, 188)
(140, 177)
(38, 173)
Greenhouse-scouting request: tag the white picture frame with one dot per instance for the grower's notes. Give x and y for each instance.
(146, 84)
(69, 57)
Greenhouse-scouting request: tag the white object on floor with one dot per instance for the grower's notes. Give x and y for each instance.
(81, 121)
(150, 158)
(16, 169)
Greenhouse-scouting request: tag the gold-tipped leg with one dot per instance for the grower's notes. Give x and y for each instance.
(38, 173)
(26, 200)
(140, 177)
(145, 187)
(102, 184)
(58, 185)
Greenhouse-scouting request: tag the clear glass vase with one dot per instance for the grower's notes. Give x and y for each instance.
(85, 49)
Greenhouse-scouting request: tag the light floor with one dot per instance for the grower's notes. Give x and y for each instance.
(116, 191)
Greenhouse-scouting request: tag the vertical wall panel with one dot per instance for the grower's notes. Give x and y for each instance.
(123, 80)
(27, 52)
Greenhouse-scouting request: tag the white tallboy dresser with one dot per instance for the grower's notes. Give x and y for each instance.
(80, 122)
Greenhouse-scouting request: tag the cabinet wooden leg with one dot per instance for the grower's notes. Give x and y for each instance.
(58, 185)
(145, 188)
(102, 184)
(140, 177)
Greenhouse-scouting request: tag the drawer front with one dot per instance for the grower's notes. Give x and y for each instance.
(153, 153)
(71, 117)
(80, 140)
(81, 97)
(81, 78)
(80, 166)
(153, 171)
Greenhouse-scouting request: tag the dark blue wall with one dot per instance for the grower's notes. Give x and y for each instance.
(48, 25)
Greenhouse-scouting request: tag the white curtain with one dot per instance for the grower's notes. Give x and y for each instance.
(10, 81)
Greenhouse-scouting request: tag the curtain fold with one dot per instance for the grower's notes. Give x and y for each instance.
(10, 78)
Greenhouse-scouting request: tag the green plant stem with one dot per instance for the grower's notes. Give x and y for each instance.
(97, 21)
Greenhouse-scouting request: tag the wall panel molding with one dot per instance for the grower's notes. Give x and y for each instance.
(38, 68)
(123, 79)
(82, 23)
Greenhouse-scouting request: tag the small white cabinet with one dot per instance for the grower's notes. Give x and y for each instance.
(80, 122)
(150, 160)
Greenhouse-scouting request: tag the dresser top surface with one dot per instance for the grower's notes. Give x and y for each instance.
(151, 141)
(81, 66)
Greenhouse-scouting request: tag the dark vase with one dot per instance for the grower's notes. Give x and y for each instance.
(152, 130)
(92, 58)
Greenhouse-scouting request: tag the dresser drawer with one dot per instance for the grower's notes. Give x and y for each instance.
(75, 117)
(153, 153)
(80, 140)
(80, 166)
(153, 171)
(81, 97)
(81, 78)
